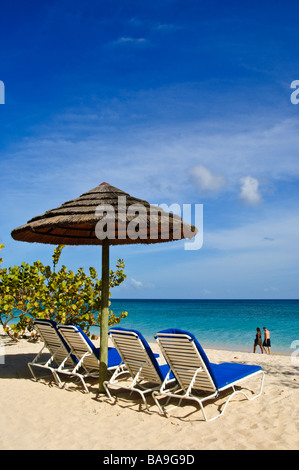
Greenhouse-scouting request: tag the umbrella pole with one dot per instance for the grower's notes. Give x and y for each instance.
(104, 316)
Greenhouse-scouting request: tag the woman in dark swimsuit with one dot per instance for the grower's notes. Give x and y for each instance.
(258, 340)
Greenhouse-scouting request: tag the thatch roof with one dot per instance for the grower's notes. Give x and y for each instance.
(75, 222)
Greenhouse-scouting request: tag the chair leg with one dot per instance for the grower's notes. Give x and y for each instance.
(32, 373)
(235, 392)
(106, 387)
(83, 382)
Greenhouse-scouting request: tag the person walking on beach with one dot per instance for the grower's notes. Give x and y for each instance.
(267, 342)
(258, 340)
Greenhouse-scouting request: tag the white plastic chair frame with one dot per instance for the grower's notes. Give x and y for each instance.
(138, 365)
(88, 363)
(60, 356)
(192, 374)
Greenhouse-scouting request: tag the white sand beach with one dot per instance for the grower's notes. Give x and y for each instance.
(40, 415)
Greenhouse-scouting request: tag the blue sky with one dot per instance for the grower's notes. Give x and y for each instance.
(183, 102)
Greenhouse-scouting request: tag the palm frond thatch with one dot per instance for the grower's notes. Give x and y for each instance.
(127, 220)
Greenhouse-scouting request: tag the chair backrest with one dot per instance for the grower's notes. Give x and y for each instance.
(53, 340)
(80, 345)
(185, 357)
(136, 354)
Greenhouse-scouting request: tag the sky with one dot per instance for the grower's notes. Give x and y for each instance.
(173, 101)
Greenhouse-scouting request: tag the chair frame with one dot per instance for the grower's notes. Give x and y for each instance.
(59, 354)
(190, 377)
(80, 347)
(138, 365)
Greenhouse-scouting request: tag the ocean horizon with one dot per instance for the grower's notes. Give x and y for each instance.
(226, 324)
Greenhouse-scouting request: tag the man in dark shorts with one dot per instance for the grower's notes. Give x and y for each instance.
(267, 342)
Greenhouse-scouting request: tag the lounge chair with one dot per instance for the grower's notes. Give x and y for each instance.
(144, 373)
(197, 375)
(59, 351)
(86, 353)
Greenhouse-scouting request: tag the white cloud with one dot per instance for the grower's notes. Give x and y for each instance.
(139, 284)
(147, 151)
(271, 289)
(167, 27)
(204, 179)
(239, 262)
(250, 191)
(129, 40)
(153, 159)
(256, 235)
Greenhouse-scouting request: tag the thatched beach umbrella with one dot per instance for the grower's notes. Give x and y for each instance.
(104, 216)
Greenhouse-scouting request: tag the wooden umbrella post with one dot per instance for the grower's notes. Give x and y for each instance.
(104, 317)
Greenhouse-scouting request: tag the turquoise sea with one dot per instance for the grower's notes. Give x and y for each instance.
(228, 324)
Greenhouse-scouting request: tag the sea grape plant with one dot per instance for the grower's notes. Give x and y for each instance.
(31, 291)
